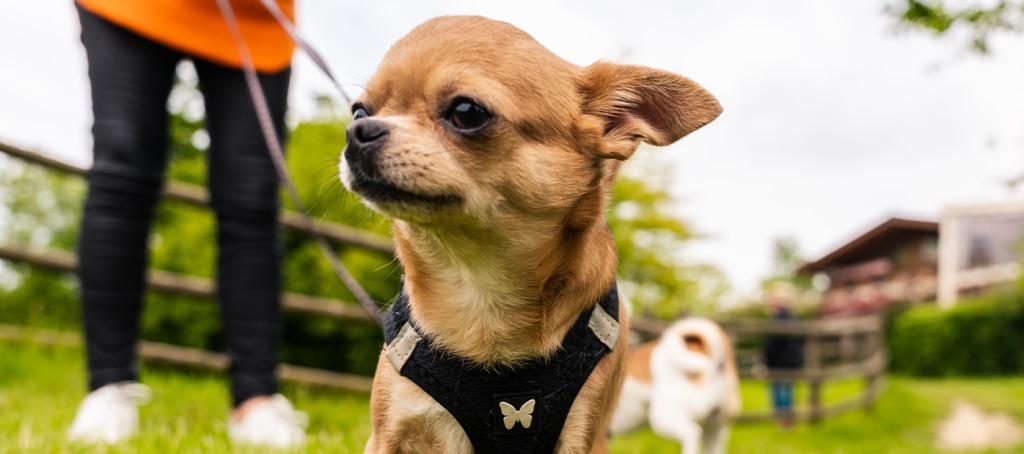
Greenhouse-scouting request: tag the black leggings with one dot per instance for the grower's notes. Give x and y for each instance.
(131, 78)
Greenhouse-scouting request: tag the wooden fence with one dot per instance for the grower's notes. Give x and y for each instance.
(167, 282)
(834, 349)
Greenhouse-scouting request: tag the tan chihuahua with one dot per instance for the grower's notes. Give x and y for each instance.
(495, 159)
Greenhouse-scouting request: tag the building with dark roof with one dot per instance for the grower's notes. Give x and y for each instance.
(974, 249)
(896, 260)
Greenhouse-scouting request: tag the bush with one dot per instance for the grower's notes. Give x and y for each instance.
(983, 336)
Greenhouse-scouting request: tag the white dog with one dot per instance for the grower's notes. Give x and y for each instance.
(684, 384)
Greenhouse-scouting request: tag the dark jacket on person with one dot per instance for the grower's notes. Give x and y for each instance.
(783, 352)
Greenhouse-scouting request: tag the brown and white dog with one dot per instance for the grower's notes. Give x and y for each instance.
(495, 158)
(684, 384)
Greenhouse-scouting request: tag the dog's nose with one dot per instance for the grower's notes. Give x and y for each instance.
(366, 131)
(365, 137)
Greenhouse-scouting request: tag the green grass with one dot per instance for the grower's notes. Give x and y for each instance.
(902, 421)
(40, 388)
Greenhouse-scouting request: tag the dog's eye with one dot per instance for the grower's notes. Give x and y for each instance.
(467, 115)
(358, 111)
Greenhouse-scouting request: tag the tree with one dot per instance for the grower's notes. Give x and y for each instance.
(654, 273)
(979, 19)
(786, 259)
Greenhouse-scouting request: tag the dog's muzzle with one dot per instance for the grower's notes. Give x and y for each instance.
(367, 138)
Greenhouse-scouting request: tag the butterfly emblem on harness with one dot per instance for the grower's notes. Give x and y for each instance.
(524, 415)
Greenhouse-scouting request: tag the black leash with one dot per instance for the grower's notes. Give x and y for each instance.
(274, 143)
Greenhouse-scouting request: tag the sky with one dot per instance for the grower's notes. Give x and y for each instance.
(833, 119)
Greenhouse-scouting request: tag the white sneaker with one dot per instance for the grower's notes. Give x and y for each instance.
(109, 414)
(274, 423)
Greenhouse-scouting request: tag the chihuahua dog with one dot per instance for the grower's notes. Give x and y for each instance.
(495, 159)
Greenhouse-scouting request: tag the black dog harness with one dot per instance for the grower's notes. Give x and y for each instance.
(519, 410)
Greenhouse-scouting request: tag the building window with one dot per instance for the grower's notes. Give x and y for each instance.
(990, 240)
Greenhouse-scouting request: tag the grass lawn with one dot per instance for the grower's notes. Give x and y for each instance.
(40, 388)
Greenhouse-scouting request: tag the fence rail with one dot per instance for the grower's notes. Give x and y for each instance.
(167, 282)
(191, 357)
(195, 195)
(836, 326)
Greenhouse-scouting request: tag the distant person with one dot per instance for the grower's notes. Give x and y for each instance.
(133, 48)
(780, 353)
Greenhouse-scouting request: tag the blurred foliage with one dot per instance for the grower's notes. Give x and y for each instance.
(38, 208)
(980, 19)
(981, 336)
(786, 256)
(786, 259)
(42, 208)
(653, 272)
(781, 282)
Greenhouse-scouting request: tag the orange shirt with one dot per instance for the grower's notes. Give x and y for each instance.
(197, 28)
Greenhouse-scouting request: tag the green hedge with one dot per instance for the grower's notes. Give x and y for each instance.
(983, 336)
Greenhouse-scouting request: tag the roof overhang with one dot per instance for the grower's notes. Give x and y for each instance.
(885, 233)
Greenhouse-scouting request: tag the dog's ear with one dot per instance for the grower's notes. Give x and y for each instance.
(632, 104)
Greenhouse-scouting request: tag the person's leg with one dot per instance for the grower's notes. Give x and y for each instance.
(782, 399)
(787, 397)
(130, 79)
(244, 195)
(773, 389)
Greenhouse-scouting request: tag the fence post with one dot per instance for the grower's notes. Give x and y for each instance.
(812, 369)
(847, 346)
(872, 380)
(870, 391)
